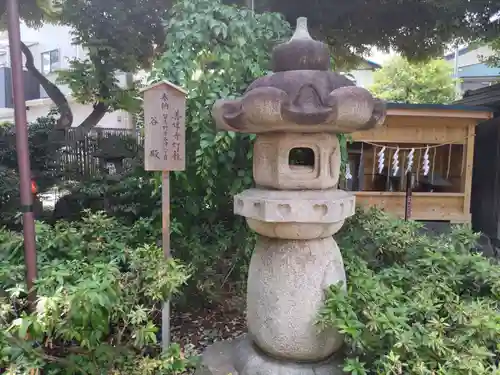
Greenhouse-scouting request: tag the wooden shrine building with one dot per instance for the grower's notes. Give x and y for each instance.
(435, 143)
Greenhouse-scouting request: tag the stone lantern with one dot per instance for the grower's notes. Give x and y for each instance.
(295, 209)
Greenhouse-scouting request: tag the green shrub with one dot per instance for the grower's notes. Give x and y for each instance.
(43, 148)
(415, 304)
(129, 197)
(43, 158)
(9, 194)
(100, 286)
(212, 240)
(215, 51)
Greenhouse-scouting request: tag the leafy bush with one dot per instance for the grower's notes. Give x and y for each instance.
(43, 148)
(215, 51)
(9, 192)
(218, 253)
(415, 304)
(133, 195)
(100, 287)
(43, 153)
(403, 81)
(10, 200)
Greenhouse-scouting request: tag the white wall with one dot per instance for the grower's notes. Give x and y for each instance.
(116, 120)
(48, 38)
(363, 77)
(472, 57)
(41, 107)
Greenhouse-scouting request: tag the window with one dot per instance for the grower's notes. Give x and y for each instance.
(50, 61)
(471, 84)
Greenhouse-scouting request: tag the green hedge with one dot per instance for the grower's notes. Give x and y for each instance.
(100, 288)
(415, 304)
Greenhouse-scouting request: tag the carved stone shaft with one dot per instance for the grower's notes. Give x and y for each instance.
(286, 286)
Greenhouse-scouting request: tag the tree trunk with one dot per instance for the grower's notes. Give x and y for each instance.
(90, 122)
(66, 115)
(93, 119)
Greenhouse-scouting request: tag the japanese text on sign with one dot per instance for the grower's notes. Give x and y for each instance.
(164, 111)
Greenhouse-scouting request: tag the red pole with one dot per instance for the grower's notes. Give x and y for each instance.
(22, 147)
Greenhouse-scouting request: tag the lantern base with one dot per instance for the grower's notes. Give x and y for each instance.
(241, 357)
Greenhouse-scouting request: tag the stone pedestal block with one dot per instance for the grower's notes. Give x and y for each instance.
(308, 206)
(286, 285)
(241, 357)
(295, 215)
(294, 231)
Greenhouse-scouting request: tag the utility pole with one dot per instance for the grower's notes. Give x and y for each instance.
(250, 4)
(458, 86)
(23, 157)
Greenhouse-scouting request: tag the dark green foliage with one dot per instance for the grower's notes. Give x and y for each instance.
(43, 148)
(9, 194)
(218, 251)
(215, 51)
(100, 288)
(415, 304)
(415, 28)
(33, 12)
(494, 59)
(43, 157)
(128, 197)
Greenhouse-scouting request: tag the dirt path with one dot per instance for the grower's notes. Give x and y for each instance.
(196, 330)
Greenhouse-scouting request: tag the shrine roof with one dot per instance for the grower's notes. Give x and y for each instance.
(452, 107)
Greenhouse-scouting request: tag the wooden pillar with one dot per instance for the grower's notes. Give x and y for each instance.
(469, 162)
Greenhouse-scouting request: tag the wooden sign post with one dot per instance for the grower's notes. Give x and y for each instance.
(164, 147)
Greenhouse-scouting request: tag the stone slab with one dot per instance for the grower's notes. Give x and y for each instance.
(240, 357)
(217, 360)
(288, 206)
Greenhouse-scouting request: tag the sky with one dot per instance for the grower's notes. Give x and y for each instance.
(380, 57)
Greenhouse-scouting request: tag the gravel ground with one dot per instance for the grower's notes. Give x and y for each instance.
(195, 330)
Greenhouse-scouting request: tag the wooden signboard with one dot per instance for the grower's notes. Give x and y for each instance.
(164, 127)
(165, 151)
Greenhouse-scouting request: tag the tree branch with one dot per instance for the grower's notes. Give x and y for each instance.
(100, 108)
(66, 115)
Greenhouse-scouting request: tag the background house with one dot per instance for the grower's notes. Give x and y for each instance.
(473, 73)
(363, 73)
(52, 50)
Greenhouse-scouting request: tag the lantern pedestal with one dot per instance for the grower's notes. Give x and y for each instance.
(242, 357)
(294, 261)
